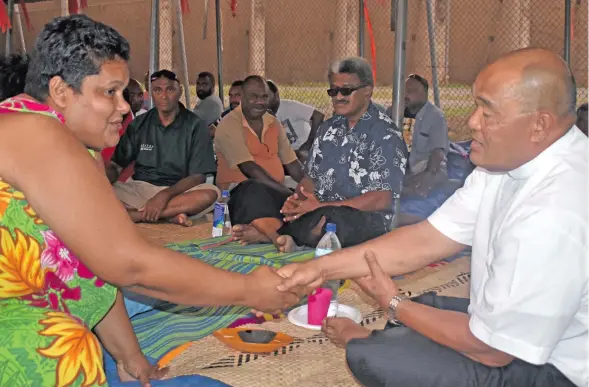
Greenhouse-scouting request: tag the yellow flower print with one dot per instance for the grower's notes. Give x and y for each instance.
(30, 212)
(76, 348)
(7, 193)
(20, 265)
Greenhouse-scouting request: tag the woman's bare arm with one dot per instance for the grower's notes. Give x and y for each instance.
(60, 179)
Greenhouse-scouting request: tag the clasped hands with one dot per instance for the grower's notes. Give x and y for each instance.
(298, 205)
(299, 279)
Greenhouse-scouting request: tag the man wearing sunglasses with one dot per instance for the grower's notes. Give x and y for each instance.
(173, 154)
(355, 169)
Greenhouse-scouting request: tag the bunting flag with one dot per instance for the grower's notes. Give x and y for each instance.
(23, 10)
(372, 40)
(233, 6)
(4, 19)
(72, 7)
(83, 4)
(183, 6)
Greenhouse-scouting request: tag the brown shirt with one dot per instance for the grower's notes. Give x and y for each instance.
(236, 143)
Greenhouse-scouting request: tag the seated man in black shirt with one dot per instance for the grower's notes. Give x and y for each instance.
(173, 154)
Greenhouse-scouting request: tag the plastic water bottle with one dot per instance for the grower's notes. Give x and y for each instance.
(221, 220)
(327, 245)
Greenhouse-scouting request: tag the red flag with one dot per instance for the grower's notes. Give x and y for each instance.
(234, 7)
(83, 4)
(23, 10)
(184, 6)
(4, 19)
(372, 41)
(72, 6)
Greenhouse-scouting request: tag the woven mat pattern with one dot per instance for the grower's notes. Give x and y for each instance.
(311, 360)
(162, 234)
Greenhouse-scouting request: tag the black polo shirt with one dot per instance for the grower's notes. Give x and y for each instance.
(165, 155)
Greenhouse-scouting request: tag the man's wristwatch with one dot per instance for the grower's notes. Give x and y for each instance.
(392, 309)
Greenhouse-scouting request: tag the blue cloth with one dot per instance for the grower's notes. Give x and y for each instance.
(346, 162)
(137, 304)
(459, 167)
(110, 369)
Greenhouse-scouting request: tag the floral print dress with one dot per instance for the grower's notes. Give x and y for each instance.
(49, 300)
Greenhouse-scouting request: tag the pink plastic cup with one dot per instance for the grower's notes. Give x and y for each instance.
(318, 306)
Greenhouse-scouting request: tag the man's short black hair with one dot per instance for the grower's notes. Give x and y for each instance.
(421, 80)
(13, 73)
(272, 86)
(253, 78)
(206, 74)
(238, 83)
(72, 47)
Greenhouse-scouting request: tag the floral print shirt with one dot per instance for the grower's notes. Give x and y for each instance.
(346, 162)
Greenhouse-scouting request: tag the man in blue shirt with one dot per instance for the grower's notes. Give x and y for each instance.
(355, 169)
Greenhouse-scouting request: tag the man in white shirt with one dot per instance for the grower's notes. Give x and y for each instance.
(300, 121)
(524, 212)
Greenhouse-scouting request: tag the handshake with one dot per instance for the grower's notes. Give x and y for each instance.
(270, 290)
(274, 290)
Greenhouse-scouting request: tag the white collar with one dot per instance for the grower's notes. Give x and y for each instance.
(525, 171)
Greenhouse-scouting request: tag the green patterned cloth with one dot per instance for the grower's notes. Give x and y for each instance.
(170, 325)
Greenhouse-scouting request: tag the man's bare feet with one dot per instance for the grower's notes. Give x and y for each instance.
(247, 234)
(181, 219)
(285, 244)
(341, 330)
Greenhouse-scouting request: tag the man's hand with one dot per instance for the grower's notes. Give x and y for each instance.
(378, 284)
(425, 184)
(137, 367)
(263, 284)
(154, 206)
(304, 277)
(419, 184)
(294, 208)
(302, 154)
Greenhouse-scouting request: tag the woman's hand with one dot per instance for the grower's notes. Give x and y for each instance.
(137, 367)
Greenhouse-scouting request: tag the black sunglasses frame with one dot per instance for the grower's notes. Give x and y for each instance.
(345, 91)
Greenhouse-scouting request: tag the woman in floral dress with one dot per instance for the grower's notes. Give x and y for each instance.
(66, 243)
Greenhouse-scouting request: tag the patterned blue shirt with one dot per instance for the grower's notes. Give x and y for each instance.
(345, 163)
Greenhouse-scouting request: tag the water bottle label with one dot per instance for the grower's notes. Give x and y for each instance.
(218, 219)
(321, 252)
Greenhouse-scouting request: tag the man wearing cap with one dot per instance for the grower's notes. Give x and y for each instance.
(173, 154)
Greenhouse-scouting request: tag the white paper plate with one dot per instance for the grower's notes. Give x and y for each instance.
(298, 316)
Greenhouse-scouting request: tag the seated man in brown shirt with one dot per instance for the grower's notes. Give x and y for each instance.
(253, 151)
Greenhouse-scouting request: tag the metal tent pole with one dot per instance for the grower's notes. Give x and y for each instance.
(20, 29)
(399, 68)
(10, 8)
(361, 22)
(179, 19)
(432, 51)
(219, 50)
(567, 31)
(153, 45)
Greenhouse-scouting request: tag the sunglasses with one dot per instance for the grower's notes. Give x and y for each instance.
(165, 74)
(345, 91)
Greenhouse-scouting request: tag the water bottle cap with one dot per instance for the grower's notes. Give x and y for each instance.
(225, 194)
(331, 227)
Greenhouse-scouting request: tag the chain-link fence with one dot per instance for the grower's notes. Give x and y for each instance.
(293, 42)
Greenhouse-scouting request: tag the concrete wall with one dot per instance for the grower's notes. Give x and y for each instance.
(300, 38)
